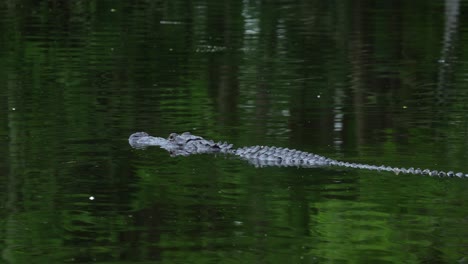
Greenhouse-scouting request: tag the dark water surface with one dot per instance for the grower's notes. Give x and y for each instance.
(378, 82)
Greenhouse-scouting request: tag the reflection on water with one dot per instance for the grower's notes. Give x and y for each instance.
(379, 83)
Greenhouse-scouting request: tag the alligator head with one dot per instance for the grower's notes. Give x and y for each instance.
(178, 144)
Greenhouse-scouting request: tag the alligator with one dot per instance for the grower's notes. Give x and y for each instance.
(186, 144)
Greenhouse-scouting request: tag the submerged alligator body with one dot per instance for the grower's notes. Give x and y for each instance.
(187, 144)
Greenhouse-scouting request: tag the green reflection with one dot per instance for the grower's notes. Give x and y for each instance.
(355, 80)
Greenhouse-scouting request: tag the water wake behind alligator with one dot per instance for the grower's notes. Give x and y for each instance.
(187, 144)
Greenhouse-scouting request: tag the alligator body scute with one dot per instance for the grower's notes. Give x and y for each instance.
(187, 144)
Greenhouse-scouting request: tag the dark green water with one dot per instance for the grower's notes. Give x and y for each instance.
(378, 82)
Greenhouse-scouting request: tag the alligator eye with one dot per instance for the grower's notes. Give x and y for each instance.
(172, 136)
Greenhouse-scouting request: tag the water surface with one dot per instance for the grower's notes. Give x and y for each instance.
(361, 81)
